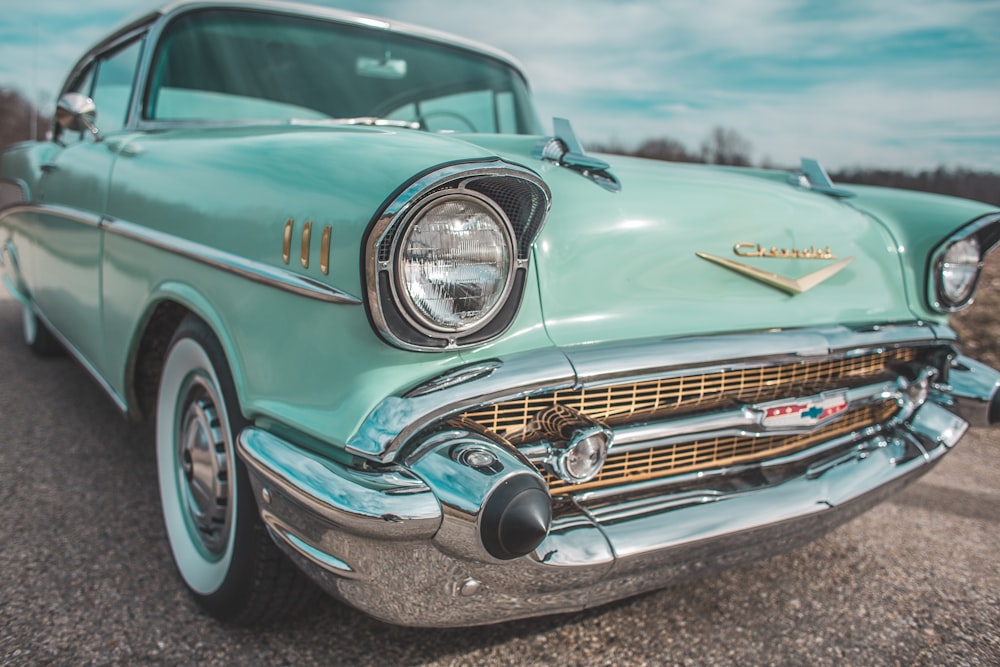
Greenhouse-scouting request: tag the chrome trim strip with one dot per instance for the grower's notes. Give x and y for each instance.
(602, 365)
(90, 368)
(395, 420)
(84, 218)
(240, 266)
(245, 268)
(452, 378)
(745, 422)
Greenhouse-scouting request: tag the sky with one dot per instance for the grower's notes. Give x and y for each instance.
(911, 84)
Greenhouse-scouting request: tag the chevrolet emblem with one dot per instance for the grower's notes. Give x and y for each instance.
(791, 286)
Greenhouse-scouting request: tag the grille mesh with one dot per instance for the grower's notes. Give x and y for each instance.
(628, 403)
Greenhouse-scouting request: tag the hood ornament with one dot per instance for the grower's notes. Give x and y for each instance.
(788, 285)
(565, 150)
(812, 176)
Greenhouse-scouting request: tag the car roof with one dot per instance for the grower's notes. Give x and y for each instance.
(315, 11)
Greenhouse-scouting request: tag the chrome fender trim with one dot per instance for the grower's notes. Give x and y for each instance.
(972, 390)
(389, 505)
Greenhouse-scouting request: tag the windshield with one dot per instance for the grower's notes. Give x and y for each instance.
(225, 65)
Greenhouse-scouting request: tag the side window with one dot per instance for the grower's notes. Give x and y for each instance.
(112, 88)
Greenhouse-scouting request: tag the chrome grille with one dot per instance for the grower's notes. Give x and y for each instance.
(520, 422)
(670, 397)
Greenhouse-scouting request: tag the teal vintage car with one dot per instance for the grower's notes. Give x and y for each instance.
(398, 337)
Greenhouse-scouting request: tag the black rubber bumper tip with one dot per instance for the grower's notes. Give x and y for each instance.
(516, 517)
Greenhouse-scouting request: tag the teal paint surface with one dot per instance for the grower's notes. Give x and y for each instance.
(606, 267)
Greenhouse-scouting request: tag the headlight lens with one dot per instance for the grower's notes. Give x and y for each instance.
(958, 272)
(584, 457)
(581, 458)
(455, 263)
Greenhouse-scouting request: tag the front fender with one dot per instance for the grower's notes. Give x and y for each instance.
(918, 223)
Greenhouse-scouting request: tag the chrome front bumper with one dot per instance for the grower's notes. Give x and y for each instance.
(401, 541)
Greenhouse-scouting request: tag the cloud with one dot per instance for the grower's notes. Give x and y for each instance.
(899, 82)
(41, 41)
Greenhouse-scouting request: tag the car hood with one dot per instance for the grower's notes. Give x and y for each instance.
(632, 264)
(608, 266)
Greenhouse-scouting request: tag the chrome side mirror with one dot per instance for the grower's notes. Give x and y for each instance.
(77, 112)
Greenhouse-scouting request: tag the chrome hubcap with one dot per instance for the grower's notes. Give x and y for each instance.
(205, 469)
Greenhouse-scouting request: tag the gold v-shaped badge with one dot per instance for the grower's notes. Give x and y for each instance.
(789, 285)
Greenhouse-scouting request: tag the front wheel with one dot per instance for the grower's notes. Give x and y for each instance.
(219, 544)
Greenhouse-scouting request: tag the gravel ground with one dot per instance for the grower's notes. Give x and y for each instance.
(86, 576)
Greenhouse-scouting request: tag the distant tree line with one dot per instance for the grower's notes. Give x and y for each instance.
(724, 146)
(982, 186)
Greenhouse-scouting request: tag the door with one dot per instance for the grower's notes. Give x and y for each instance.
(68, 240)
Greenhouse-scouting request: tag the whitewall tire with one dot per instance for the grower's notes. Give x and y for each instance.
(218, 542)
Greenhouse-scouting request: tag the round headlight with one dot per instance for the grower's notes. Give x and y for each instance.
(455, 263)
(959, 271)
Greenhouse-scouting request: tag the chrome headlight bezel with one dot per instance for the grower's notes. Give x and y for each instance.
(947, 263)
(515, 197)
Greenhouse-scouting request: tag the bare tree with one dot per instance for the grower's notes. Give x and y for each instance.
(666, 148)
(17, 119)
(726, 146)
